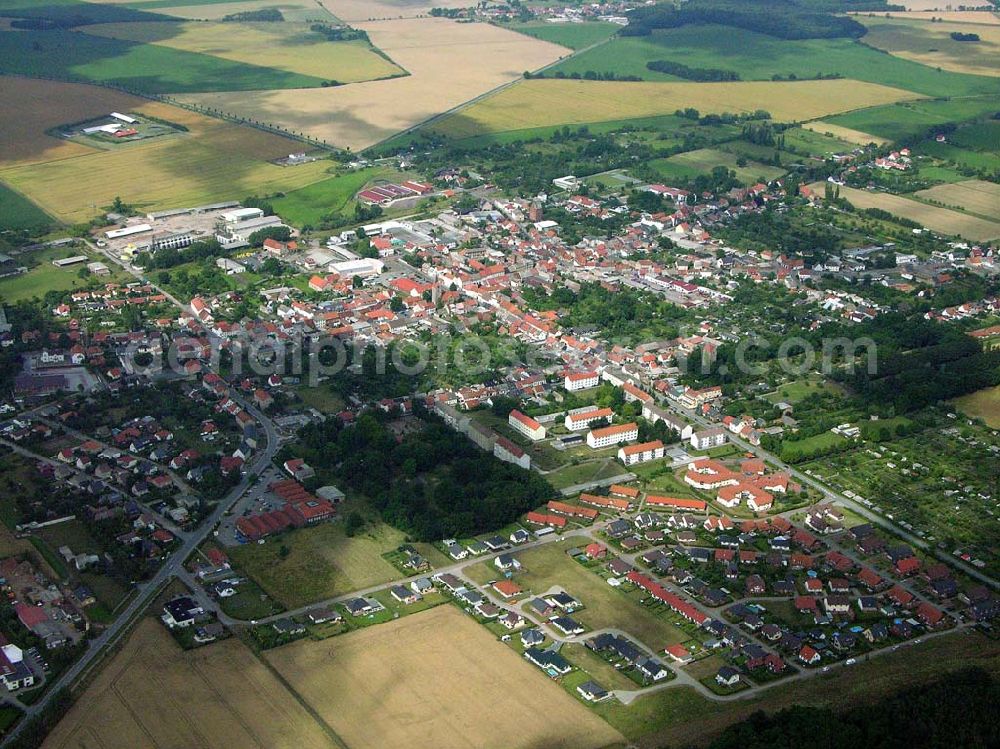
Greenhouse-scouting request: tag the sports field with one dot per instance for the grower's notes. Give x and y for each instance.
(975, 196)
(537, 103)
(449, 64)
(931, 44)
(941, 220)
(290, 47)
(759, 57)
(435, 679)
(213, 160)
(41, 105)
(152, 694)
(690, 164)
(983, 404)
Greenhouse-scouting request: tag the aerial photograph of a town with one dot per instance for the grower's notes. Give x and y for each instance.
(499, 374)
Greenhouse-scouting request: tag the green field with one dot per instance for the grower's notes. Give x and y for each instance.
(572, 35)
(914, 118)
(759, 57)
(43, 276)
(149, 68)
(691, 164)
(311, 564)
(310, 204)
(548, 565)
(815, 144)
(17, 212)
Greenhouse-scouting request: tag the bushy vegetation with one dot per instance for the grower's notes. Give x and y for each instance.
(782, 19)
(269, 15)
(692, 74)
(957, 710)
(431, 483)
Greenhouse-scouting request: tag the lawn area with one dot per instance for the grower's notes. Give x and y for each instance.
(794, 450)
(572, 35)
(43, 276)
(797, 390)
(681, 717)
(322, 398)
(150, 68)
(684, 166)
(759, 57)
(801, 140)
(311, 564)
(582, 473)
(17, 212)
(311, 204)
(599, 669)
(983, 404)
(604, 606)
(250, 602)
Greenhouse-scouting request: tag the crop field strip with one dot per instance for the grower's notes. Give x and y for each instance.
(417, 706)
(977, 197)
(154, 695)
(941, 220)
(290, 47)
(539, 103)
(449, 64)
(932, 44)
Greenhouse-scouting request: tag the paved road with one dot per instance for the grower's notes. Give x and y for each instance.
(171, 568)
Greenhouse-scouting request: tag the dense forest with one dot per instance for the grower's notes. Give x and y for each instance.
(431, 482)
(783, 19)
(959, 710)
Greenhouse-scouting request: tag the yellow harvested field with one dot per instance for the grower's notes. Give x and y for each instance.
(292, 10)
(152, 694)
(922, 5)
(941, 220)
(952, 16)
(974, 195)
(435, 679)
(449, 64)
(844, 133)
(982, 404)
(214, 160)
(31, 107)
(538, 103)
(289, 46)
(931, 44)
(351, 11)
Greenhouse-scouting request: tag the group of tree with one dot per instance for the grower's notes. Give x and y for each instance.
(169, 257)
(264, 15)
(339, 33)
(431, 483)
(957, 709)
(783, 19)
(692, 74)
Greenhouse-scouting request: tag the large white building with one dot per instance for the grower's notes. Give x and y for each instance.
(612, 435)
(581, 380)
(631, 455)
(507, 451)
(583, 419)
(524, 424)
(708, 438)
